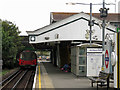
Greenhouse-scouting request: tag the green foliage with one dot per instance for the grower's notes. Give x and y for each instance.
(29, 48)
(11, 43)
(43, 53)
(3, 72)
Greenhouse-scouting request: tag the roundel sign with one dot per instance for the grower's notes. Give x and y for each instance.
(106, 59)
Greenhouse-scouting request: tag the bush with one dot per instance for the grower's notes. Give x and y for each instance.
(11, 44)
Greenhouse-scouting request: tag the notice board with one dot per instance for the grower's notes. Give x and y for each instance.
(94, 61)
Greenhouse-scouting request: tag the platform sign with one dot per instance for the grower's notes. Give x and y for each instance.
(107, 59)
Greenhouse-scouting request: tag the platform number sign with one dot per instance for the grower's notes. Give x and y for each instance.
(106, 59)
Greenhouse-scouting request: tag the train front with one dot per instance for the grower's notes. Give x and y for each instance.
(28, 59)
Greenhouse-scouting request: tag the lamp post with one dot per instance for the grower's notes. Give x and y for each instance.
(91, 23)
(103, 15)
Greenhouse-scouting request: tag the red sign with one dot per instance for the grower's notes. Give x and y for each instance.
(106, 59)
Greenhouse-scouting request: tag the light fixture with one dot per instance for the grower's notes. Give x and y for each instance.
(56, 36)
(47, 38)
(32, 38)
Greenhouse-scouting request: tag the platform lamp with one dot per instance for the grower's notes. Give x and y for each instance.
(103, 15)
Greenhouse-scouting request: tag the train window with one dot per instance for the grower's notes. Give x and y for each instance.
(21, 55)
(27, 56)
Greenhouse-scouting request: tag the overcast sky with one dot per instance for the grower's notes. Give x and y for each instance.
(33, 14)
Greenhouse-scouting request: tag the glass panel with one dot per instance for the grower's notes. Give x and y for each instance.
(27, 56)
(82, 51)
(82, 70)
(82, 60)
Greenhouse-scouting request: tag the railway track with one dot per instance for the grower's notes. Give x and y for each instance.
(8, 78)
(23, 79)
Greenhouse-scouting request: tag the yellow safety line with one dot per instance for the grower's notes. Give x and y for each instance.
(39, 78)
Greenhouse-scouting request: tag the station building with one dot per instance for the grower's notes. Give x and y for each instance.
(68, 38)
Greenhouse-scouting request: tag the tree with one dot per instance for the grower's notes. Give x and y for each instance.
(11, 43)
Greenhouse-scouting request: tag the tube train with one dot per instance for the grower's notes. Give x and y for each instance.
(27, 59)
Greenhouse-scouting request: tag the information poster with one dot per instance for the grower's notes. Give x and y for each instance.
(94, 61)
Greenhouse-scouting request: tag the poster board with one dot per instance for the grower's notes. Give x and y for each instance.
(94, 61)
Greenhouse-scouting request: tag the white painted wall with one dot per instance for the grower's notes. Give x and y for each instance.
(72, 31)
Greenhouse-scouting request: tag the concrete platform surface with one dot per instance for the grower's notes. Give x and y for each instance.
(51, 77)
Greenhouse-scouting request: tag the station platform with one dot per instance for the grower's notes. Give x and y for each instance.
(50, 76)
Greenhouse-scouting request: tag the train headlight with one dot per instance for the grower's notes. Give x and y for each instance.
(22, 62)
(34, 62)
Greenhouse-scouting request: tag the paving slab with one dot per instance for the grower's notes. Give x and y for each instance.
(54, 79)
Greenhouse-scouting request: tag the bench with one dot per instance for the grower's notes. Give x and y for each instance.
(101, 79)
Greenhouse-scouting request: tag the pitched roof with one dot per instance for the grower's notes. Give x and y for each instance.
(57, 16)
(66, 21)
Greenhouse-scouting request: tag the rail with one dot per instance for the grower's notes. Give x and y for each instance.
(19, 80)
(1, 83)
